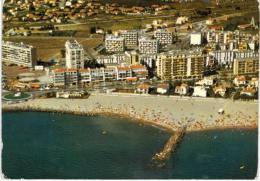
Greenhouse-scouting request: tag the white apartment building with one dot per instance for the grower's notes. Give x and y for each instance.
(74, 55)
(130, 37)
(149, 60)
(148, 46)
(62, 77)
(195, 39)
(163, 36)
(19, 54)
(228, 56)
(114, 44)
(115, 59)
(216, 36)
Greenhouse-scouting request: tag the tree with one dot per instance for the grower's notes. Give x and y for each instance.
(93, 30)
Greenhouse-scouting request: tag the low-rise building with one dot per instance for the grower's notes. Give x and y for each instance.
(240, 81)
(97, 74)
(206, 81)
(84, 76)
(71, 77)
(143, 88)
(248, 91)
(58, 76)
(162, 88)
(195, 39)
(123, 72)
(139, 71)
(110, 73)
(200, 91)
(183, 89)
(220, 90)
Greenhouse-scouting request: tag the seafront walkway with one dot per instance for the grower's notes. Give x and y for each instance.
(173, 97)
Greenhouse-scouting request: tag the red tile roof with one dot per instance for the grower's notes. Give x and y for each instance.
(60, 70)
(137, 66)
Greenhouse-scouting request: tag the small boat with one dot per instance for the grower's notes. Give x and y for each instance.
(104, 132)
(242, 167)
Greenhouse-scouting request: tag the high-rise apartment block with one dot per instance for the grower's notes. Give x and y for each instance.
(74, 55)
(163, 36)
(245, 66)
(19, 54)
(180, 65)
(148, 46)
(114, 44)
(130, 38)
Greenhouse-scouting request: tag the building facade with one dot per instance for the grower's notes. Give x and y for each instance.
(195, 39)
(245, 66)
(74, 55)
(180, 65)
(114, 44)
(19, 54)
(148, 46)
(130, 38)
(163, 36)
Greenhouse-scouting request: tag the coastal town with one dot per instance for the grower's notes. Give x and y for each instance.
(184, 67)
(184, 57)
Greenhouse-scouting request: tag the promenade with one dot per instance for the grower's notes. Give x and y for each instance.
(167, 112)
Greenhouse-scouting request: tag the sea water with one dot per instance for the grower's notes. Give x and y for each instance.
(40, 145)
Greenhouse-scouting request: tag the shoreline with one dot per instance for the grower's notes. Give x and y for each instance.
(87, 107)
(136, 120)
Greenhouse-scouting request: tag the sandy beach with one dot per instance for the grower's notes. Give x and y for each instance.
(170, 113)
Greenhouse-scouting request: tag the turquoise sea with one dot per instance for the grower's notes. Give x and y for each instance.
(40, 145)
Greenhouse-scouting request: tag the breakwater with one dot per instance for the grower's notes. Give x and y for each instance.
(160, 158)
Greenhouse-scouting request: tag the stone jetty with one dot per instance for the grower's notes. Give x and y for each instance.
(160, 158)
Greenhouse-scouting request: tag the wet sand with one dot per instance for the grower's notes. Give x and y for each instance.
(170, 113)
